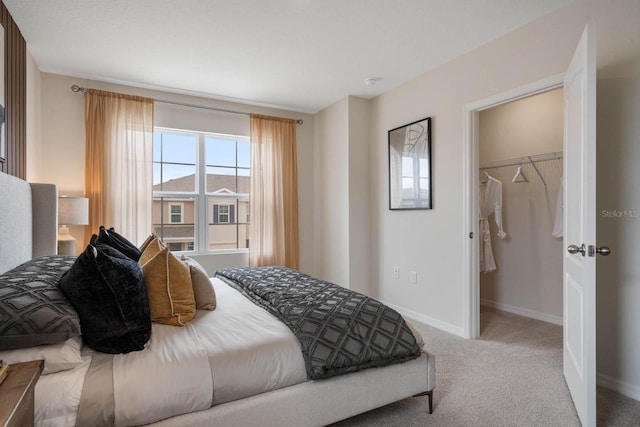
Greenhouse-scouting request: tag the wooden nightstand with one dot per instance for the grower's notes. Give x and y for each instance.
(17, 390)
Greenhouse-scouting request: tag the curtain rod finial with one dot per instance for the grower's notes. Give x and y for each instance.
(77, 88)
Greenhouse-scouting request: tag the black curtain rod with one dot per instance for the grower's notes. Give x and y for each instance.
(76, 88)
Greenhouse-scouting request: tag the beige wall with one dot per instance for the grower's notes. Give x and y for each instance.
(432, 242)
(34, 120)
(332, 193)
(343, 191)
(526, 127)
(618, 225)
(528, 279)
(60, 149)
(359, 197)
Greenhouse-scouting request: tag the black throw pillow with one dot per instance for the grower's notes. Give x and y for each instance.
(117, 241)
(107, 290)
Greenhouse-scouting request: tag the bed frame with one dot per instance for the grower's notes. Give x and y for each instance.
(28, 228)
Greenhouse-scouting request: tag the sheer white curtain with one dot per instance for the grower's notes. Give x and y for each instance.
(118, 164)
(273, 194)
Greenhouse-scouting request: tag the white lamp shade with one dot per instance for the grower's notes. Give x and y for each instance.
(73, 210)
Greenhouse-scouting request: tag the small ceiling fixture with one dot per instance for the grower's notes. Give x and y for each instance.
(370, 81)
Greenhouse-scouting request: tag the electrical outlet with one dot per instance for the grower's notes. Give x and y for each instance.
(396, 272)
(414, 277)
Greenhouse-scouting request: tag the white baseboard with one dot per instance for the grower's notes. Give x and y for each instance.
(620, 387)
(412, 315)
(523, 312)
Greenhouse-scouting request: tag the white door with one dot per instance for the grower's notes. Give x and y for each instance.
(579, 354)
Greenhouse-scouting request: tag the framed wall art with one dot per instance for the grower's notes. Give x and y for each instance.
(410, 166)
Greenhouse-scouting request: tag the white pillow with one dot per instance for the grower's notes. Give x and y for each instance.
(57, 357)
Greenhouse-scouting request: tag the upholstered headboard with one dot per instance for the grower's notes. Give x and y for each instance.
(28, 221)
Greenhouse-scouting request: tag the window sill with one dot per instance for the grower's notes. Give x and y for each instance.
(210, 253)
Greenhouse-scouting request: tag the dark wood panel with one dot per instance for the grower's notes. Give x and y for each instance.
(15, 89)
(17, 391)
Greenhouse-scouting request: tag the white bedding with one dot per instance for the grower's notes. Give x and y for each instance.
(250, 351)
(235, 351)
(170, 376)
(57, 395)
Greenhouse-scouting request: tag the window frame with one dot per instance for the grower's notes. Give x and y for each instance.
(200, 195)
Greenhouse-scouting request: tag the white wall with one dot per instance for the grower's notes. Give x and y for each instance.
(432, 242)
(528, 278)
(61, 149)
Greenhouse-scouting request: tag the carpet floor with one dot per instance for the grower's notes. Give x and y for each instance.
(510, 376)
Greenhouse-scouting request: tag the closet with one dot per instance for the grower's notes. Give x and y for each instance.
(520, 151)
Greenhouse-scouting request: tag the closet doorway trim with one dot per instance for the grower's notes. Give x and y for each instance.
(470, 167)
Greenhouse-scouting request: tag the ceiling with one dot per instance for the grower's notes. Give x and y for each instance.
(298, 55)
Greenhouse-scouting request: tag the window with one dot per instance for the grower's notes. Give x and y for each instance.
(201, 190)
(175, 213)
(223, 214)
(174, 246)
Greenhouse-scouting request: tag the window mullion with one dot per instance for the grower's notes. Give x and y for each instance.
(202, 222)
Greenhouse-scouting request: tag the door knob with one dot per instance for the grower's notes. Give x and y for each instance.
(603, 250)
(573, 249)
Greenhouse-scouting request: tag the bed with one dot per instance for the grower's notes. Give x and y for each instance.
(228, 371)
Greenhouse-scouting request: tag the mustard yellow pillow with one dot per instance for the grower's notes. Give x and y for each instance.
(147, 241)
(168, 283)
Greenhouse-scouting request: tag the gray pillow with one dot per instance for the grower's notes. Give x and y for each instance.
(203, 291)
(33, 311)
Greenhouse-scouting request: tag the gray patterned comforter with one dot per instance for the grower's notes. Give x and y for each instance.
(340, 331)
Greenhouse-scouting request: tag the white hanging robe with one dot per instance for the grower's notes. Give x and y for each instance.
(490, 202)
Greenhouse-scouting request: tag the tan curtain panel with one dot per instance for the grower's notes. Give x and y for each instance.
(273, 194)
(118, 163)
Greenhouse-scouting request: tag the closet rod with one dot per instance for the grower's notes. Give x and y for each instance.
(76, 88)
(521, 160)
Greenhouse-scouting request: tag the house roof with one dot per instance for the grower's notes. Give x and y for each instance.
(215, 183)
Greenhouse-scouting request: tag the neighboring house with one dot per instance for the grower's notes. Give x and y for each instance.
(227, 215)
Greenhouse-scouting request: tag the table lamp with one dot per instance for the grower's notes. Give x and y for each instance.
(71, 211)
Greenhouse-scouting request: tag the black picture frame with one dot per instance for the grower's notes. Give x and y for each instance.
(410, 168)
